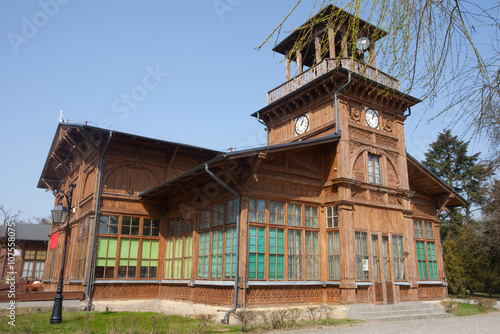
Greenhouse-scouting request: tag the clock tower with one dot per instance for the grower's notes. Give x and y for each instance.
(337, 90)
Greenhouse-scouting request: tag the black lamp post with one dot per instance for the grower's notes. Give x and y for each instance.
(60, 214)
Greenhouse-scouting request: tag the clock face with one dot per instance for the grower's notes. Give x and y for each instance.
(371, 117)
(301, 124)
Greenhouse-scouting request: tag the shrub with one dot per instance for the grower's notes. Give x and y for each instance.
(485, 303)
(292, 315)
(203, 321)
(327, 310)
(246, 318)
(278, 318)
(449, 306)
(312, 311)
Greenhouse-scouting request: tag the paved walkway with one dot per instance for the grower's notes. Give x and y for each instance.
(485, 323)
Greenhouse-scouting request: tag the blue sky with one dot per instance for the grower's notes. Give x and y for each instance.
(91, 58)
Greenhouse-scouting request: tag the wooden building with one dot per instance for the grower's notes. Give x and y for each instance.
(333, 210)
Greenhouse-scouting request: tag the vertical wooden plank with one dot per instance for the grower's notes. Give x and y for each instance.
(287, 64)
(331, 42)
(317, 46)
(299, 63)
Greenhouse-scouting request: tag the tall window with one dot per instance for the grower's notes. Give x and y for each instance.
(256, 252)
(216, 246)
(276, 253)
(231, 211)
(426, 252)
(361, 255)
(127, 263)
(332, 217)
(333, 255)
(399, 259)
(129, 244)
(218, 215)
(288, 246)
(178, 257)
(374, 168)
(149, 259)
(106, 257)
(34, 262)
(203, 256)
(387, 259)
(312, 255)
(294, 254)
(230, 255)
(80, 250)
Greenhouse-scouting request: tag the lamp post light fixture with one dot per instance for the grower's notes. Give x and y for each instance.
(61, 214)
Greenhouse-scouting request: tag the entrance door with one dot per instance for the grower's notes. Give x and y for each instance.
(379, 289)
(387, 270)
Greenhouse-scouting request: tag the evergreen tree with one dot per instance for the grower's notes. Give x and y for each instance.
(466, 174)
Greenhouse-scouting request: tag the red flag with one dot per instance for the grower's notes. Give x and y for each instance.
(54, 240)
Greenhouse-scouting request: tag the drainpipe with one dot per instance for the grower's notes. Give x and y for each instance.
(90, 282)
(235, 305)
(337, 131)
(409, 112)
(263, 123)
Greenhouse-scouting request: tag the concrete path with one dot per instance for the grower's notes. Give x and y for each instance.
(485, 323)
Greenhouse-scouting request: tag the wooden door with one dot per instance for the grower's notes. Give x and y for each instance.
(379, 289)
(387, 270)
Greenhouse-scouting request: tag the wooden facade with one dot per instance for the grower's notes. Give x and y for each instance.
(333, 210)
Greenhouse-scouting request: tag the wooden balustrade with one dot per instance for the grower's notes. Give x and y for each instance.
(325, 66)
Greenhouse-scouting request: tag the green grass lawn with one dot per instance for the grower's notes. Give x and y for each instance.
(34, 321)
(112, 322)
(465, 309)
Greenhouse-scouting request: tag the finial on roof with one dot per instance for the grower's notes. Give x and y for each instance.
(61, 118)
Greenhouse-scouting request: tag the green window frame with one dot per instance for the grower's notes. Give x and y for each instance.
(169, 255)
(216, 254)
(421, 263)
(127, 262)
(106, 257)
(149, 259)
(276, 213)
(256, 252)
(230, 253)
(294, 254)
(431, 261)
(333, 255)
(276, 253)
(312, 255)
(188, 257)
(204, 255)
(360, 243)
(178, 256)
(311, 216)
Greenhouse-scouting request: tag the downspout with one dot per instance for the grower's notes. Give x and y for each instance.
(236, 274)
(337, 131)
(263, 123)
(409, 112)
(90, 282)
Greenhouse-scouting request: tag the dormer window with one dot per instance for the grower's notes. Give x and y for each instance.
(374, 168)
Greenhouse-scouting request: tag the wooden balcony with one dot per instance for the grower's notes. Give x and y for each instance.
(325, 66)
